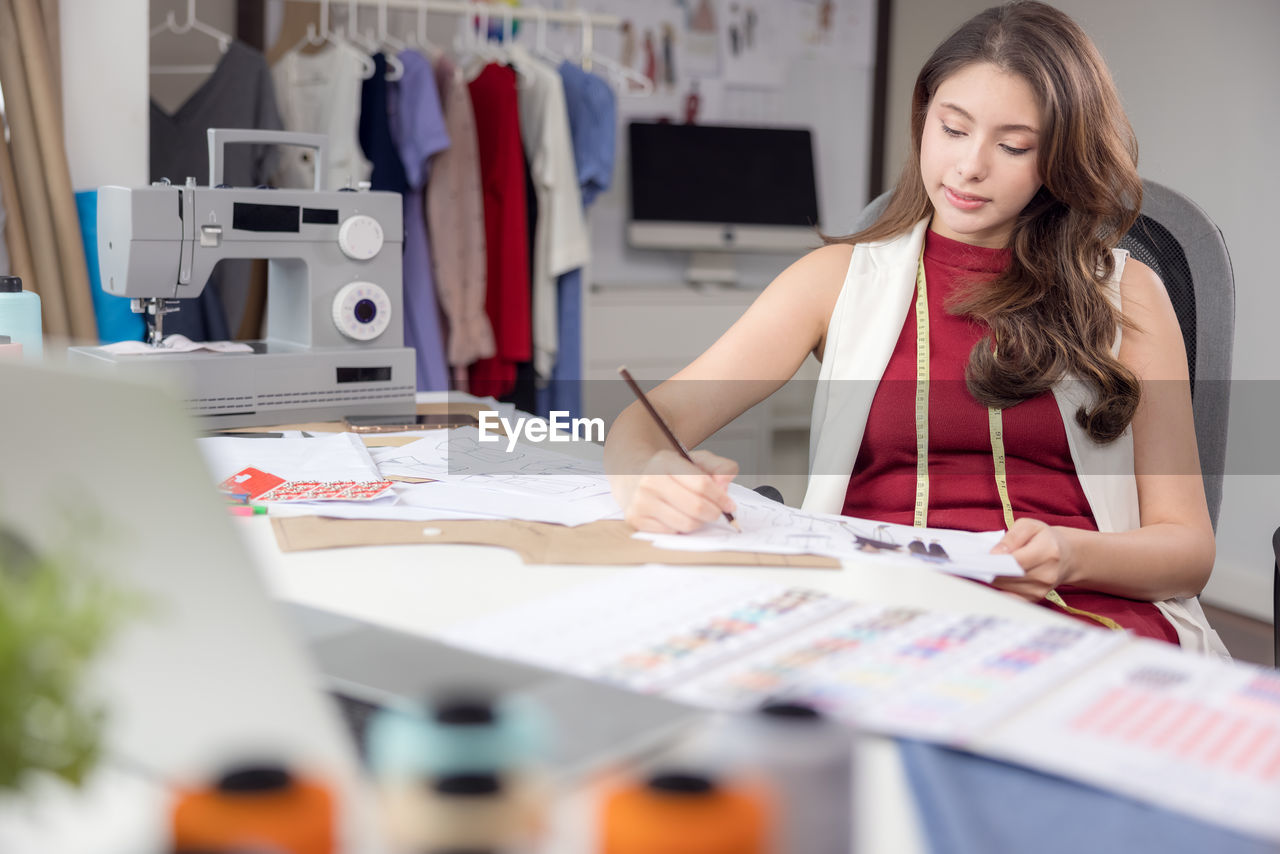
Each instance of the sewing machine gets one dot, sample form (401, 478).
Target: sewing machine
(335, 330)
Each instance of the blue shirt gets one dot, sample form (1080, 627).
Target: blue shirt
(418, 129)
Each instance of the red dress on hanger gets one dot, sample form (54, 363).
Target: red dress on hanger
(507, 298)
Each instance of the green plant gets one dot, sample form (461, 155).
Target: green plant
(55, 614)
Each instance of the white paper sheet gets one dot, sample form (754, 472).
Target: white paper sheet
(325, 457)
(464, 498)
(778, 529)
(530, 482)
(372, 510)
(459, 456)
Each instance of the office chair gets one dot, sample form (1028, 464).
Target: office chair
(1177, 240)
(1275, 601)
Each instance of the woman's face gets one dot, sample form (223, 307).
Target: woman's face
(978, 154)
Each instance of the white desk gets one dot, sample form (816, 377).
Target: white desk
(423, 589)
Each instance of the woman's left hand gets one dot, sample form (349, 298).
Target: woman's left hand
(1040, 549)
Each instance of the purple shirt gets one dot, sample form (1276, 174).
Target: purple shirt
(419, 132)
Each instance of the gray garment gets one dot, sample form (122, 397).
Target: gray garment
(238, 94)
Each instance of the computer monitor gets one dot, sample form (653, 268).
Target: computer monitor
(720, 189)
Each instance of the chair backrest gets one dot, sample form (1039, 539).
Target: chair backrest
(1177, 240)
(1275, 601)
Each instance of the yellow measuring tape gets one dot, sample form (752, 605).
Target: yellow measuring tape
(995, 424)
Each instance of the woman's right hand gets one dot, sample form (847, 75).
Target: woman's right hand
(672, 496)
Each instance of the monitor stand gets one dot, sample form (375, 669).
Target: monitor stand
(711, 269)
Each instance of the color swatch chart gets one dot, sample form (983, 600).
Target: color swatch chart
(649, 629)
(1191, 733)
(937, 676)
(1142, 718)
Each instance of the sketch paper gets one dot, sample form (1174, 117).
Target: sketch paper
(775, 528)
(461, 498)
(458, 456)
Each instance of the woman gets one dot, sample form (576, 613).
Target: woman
(1054, 398)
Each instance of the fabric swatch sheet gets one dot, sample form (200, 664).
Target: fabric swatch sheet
(1123, 713)
(1188, 732)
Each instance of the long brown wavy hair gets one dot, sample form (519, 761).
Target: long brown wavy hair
(1048, 311)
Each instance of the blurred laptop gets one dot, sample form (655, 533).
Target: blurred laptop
(209, 673)
(216, 670)
(593, 725)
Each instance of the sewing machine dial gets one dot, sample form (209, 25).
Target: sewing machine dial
(360, 237)
(361, 310)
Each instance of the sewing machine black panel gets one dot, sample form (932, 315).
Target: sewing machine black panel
(247, 216)
(320, 216)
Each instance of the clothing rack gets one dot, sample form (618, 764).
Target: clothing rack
(502, 12)
(495, 11)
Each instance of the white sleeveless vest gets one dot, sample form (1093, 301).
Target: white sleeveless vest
(865, 325)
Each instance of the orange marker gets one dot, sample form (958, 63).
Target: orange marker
(683, 813)
(256, 808)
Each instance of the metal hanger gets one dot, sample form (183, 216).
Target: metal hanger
(504, 49)
(192, 24)
(385, 39)
(540, 47)
(352, 35)
(635, 82)
(323, 35)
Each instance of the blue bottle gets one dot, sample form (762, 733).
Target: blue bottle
(20, 317)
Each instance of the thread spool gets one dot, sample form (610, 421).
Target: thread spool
(807, 760)
(9, 349)
(676, 811)
(20, 318)
(461, 812)
(456, 734)
(255, 808)
(461, 774)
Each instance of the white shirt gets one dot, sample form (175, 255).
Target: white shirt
(320, 93)
(560, 240)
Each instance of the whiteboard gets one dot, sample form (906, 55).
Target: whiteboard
(795, 73)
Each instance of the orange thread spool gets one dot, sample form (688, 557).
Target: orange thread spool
(256, 808)
(680, 813)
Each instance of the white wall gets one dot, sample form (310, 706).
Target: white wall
(104, 82)
(1198, 81)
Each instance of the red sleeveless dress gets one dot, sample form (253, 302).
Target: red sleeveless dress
(962, 487)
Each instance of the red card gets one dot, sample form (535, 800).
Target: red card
(251, 482)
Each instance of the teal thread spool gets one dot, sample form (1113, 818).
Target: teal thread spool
(20, 317)
(456, 735)
(460, 774)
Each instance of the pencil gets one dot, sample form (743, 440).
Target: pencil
(666, 431)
